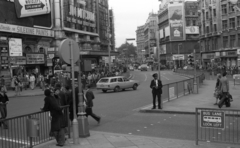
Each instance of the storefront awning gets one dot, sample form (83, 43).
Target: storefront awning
(99, 53)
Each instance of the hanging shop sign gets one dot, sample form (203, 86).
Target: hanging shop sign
(35, 58)
(15, 47)
(18, 60)
(176, 21)
(26, 8)
(25, 30)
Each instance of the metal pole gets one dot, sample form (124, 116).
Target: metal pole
(158, 54)
(82, 119)
(178, 58)
(109, 56)
(195, 80)
(75, 122)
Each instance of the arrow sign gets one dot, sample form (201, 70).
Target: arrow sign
(26, 8)
(34, 6)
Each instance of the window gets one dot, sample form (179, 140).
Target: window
(207, 29)
(215, 27)
(238, 40)
(113, 80)
(224, 9)
(238, 20)
(224, 24)
(230, 7)
(120, 80)
(188, 23)
(214, 12)
(194, 23)
(232, 40)
(206, 15)
(225, 41)
(216, 43)
(232, 22)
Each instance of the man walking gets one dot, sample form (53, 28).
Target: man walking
(156, 86)
(3, 106)
(89, 96)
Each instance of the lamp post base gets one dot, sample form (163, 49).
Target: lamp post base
(195, 88)
(75, 131)
(83, 126)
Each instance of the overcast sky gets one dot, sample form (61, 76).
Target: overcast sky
(129, 14)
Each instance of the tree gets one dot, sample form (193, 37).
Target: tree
(127, 50)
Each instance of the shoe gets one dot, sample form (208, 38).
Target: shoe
(59, 145)
(99, 120)
(215, 104)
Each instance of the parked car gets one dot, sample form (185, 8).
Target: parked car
(116, 83)
(144, 67)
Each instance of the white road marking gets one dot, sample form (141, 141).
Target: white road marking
(145, 127)
(138, 130)
(145, 77)
(165, 77)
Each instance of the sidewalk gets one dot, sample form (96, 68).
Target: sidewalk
(204, 99)
(113, 140)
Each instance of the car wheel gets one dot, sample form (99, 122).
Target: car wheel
(104, 90)
(135, 87)
(116, 89)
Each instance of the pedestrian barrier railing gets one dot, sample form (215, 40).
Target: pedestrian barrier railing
(181, 88)
(218, 125)
(236, 79)
(28, 130)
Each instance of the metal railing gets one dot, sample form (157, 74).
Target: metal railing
(218, 125)
(15, 135)
(181, 88)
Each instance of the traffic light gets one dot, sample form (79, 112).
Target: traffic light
(190, 60)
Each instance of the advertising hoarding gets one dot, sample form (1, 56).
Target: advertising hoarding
(192, 29)
(176, 21)
(26, 8)
(15, 47)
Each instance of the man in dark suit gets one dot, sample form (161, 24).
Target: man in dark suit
(88, 98)
(156, 86)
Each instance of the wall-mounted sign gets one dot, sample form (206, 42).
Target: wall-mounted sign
(25, 30)
(15, 47)
(176, 22)
(18, 60)
(152, 43)
(4, 62)
(26, 8)
(178, 57)
(212, 119)
(35, 58)
(192, 29)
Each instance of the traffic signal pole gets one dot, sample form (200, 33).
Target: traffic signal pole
(195, 85)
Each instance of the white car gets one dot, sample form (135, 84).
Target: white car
(116, 84)
(131, 68)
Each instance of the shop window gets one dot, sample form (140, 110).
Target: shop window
(214, 12)
(41, 50)
(238, 20)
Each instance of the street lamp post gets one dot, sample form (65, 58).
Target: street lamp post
(179, 53)
(109, 52)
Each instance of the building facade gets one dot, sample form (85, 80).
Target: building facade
(140, 43)
(219, 33)
(178, 32)
(150, 34)
(25, 38)
(112, 30)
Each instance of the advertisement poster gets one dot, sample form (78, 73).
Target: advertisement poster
(15, 47)
(176, 22)
(35, 58)
(26, 8)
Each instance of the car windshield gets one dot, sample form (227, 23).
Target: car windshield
(103, 81)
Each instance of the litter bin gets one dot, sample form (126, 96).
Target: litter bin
(33, 127)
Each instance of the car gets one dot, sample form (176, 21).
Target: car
(116, 84)
(144, 67)
(188, 67)
(131, 68)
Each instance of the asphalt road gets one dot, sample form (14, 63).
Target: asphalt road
(119, 110)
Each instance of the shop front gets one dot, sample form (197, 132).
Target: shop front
(207, 59)
(178, 60)
(229, 58)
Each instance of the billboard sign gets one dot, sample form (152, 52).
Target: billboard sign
(15, 47)
(212, 119)
(192, 30)
(35, 58)
(152, 43)
(176, 21)
(26, 8)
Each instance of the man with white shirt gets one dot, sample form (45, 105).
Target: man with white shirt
(156, 86)
(32, 81)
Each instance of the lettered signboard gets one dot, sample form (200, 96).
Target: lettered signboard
(212, 119)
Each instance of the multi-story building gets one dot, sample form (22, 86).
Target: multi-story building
(112, 29)
(178, 31)
(149, 33)
(219, 33)
(140, 42)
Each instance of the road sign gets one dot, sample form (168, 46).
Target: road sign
(212, 119)
(65, 51)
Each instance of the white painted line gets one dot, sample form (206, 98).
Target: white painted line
(165, 77)
(145, 77)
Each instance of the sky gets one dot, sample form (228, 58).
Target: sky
(129, 14)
